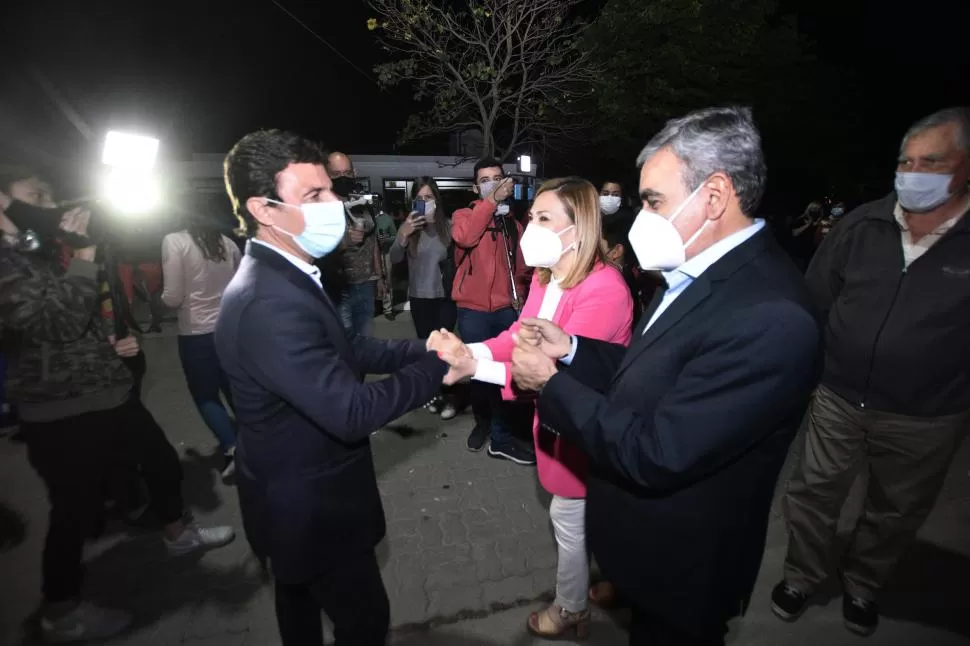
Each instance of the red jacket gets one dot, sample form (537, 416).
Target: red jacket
(482, 278)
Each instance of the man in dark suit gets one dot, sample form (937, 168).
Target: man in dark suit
(688, 429)
(307, 486)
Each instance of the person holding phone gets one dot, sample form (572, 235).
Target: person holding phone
(424, 239)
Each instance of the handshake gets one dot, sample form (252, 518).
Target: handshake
(538, 345)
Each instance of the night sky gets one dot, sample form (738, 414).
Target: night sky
(201, 74)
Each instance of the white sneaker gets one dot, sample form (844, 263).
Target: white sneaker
(85, 622)
(200, 538)
(448, 411)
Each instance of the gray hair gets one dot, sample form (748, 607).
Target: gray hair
(959, 116)
(716, 140)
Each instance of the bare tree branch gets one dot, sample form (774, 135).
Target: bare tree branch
(509, 68)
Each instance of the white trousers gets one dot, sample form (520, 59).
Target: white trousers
(568, 517)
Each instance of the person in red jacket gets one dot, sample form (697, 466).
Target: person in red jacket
(490, 285)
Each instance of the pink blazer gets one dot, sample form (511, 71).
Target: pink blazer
(601, 308)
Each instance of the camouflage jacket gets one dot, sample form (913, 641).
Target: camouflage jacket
(64, 364)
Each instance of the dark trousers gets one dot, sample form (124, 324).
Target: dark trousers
(353, 596)
(907, 460)
(73, 456)
(486, 399)
(206, 381)
(648, 630)
(430, 314)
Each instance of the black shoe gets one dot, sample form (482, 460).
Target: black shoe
(788, 603)
(478, 438)
(860, 616)
(512, 451)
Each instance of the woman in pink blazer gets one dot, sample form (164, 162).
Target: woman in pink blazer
(576, 288)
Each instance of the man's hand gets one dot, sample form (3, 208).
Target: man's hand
(531, 368)
(443, 341)
(503, 191)
(76, 221)
(127, 347)
(461, 367)
(547, 336)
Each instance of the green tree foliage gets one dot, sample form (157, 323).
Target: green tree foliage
(663, 58)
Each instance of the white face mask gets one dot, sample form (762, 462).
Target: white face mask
(324, 224)
(657, 243)
(610, 204)
(542, 247)
(922, 192)
(429, 209)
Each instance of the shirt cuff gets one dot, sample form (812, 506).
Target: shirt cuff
(491, 372)
(568, 359)
(480, 351)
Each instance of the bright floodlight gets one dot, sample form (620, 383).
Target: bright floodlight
(131, 191)
(525, 163)
(123, 150)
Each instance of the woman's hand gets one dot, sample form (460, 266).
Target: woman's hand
(413, 224)
(461, 367)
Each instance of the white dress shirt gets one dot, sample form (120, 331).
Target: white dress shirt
(297, 262)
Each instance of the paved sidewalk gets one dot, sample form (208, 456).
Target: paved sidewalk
(469, 547)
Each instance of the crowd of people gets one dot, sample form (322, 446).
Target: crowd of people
(654, 366)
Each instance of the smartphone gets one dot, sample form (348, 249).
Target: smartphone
(417, 206)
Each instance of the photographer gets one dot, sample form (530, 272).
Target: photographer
(359, 251)
(74, 394)
(490, 285)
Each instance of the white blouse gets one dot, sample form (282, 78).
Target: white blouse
(494, 372)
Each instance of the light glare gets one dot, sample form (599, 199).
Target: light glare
(123, 150)
(131, 191)
(525, 163)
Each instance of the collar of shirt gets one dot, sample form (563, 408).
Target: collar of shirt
(697, 265)
(299, 263)
(939, 231)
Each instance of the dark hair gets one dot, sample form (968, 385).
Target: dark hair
(616, 230)
(11, 174)
(486, 162)
(612, 181)
(252, 166)
(440, 220)
(208, 239)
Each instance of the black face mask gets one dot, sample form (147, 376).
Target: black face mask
(45, 224)
(344, 186)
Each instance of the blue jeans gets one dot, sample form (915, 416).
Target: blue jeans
(206, 380)
(486, 400)
(357, 308)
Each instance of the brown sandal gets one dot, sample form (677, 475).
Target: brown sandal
(553, 622)
(602, 594)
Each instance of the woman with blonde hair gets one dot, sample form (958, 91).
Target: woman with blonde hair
(576, 288)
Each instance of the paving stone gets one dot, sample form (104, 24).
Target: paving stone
(464, 533)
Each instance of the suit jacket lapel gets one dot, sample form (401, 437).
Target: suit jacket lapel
(690, 298)
(649, 311)
(694, 295)
(332, 322)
